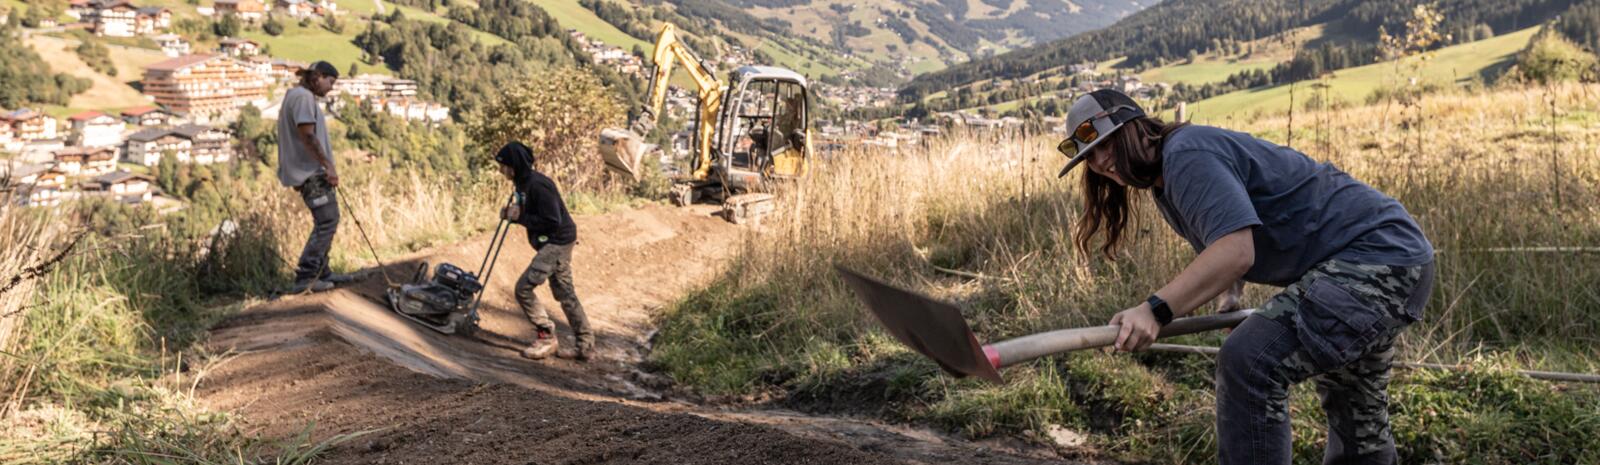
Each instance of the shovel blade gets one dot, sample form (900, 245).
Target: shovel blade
(929, 326)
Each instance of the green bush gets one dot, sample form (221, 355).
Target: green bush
(1550, 58)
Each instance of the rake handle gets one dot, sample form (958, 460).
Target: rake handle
(1013, 351)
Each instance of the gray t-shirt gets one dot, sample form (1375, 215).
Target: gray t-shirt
(1304, 213)
(295, 163)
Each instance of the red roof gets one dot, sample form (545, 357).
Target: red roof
(139, 111)
(181, 62)
(85, 116)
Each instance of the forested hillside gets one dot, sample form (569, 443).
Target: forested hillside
(1177, 29)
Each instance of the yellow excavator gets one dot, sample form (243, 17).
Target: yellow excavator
(747, 134)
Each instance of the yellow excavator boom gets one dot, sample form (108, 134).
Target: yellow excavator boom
(623, 149)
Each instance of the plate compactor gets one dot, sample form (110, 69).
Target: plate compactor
(448, 302)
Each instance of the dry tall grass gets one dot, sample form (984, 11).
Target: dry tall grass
(1487, 171)
(28, 238)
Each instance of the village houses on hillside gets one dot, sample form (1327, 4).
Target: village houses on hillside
(384, 94)
(120, 18)
(614, 57)
(246, 10)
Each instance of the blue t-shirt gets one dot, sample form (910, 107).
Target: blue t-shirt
(1304, 212)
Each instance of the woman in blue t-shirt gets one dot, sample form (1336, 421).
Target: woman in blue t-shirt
(1355, 268)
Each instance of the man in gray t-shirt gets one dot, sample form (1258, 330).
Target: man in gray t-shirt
(305, 162)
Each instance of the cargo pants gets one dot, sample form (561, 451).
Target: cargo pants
(1336, 325)
(553, 263)
(320, 198)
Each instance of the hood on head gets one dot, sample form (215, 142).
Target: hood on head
(517, 156)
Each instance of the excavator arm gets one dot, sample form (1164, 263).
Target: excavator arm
(623, 149)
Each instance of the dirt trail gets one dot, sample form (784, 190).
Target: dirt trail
(348, 364)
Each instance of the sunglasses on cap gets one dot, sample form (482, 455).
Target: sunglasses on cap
(1085, 133)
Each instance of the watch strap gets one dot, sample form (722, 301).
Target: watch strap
(1160, 309)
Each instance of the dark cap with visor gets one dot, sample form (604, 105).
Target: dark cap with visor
(1092, 118)
(321, 67)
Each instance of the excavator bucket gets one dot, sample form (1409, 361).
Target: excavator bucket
(623, 151)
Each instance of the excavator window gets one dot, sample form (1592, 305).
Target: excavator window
(771, 120)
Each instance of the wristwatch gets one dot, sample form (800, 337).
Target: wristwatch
(1160, 309)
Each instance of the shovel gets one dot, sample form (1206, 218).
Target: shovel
(936, 329)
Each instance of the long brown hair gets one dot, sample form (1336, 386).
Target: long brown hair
(1136, 154)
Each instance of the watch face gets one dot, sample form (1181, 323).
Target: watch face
(1160, 309)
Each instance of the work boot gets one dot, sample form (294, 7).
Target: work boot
(580, 353)
(315, 285)
(544, 344)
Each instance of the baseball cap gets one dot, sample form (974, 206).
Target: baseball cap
(322, 67)
(1104, 110)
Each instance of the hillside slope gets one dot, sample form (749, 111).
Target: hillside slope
(1173, 30)
(925, 35)
(1450, 65)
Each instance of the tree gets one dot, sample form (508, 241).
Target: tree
(557, 114)
(32, 16)
(332, 24)
(273, 26)
(167, 173)
(228, 26)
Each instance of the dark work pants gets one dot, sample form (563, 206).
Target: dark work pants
(319, 198)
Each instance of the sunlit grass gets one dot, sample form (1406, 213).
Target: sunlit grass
(991, 204)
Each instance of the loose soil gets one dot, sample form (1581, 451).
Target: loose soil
(345, 364)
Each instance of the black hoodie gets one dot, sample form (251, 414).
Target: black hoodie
(543, 213)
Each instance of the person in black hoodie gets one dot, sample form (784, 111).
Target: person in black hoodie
(539, 208)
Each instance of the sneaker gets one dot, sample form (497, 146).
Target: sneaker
(544, 344)
(315, 285)
(339, 278)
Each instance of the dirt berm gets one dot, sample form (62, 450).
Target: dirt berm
(346, 364)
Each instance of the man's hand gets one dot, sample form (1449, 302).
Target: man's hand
(333, 178)
(1139, 328)
(511, 212)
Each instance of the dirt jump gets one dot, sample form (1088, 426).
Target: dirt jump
(345, 363)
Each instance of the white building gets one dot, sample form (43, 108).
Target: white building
(236, 47)
(86, 161)
(124, 186)
(96, 129)
(29, 125)
(172, 44)
(8, 140)
(207, 144)
(147, 146)
(115, 18)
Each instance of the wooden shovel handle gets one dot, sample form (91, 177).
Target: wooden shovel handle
(1013, 351)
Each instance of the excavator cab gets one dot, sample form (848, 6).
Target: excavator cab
(762, 133)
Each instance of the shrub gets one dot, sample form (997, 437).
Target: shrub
(1550, 57)
(559, 114)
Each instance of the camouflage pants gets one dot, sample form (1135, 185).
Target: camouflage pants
(1336, 325)
(553, 263)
